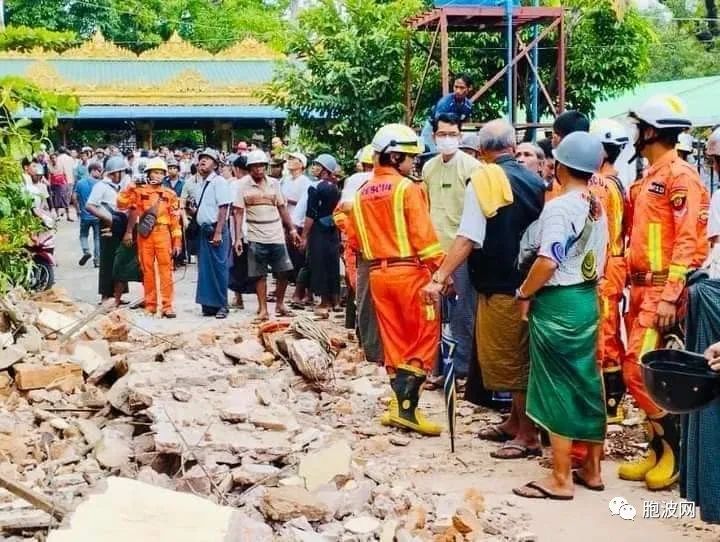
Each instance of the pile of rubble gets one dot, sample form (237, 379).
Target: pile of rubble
(239, 433)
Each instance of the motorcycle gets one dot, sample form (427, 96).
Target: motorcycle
(42, 253)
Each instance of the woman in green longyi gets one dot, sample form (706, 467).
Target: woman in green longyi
(567, 249)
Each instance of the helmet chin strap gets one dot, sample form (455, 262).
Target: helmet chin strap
(640, 145)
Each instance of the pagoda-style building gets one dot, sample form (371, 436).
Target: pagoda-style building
(173, 86)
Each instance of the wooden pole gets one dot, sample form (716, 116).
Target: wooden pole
(36, 499)
(542, 86)
(408, 83)
(424, 75)
(444, 60)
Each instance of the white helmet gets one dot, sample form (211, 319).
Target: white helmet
(684, 142)
(610, 131)
(396, 138)
(663, 111)
(713, 143)
(256, 157)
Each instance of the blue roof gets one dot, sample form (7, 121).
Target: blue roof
(138, 112)
(104, 72)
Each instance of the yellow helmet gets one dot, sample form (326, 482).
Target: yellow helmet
(396, 138)
(366, 155)
(156, 163)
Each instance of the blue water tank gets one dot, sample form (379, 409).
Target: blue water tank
(471, 3)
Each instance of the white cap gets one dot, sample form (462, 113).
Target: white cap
(256, 157)
(300, 156)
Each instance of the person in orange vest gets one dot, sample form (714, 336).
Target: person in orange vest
(159, 233)
(609, 190)
(390, 224)
(667, 240)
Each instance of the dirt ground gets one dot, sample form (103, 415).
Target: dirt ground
(426, 463)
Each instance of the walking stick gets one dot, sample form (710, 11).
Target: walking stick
(447, 349)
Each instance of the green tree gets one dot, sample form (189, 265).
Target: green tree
(348, 80)
(18, 140)
(349, 75)
(23, 38)
(143, 24)
(679, 54)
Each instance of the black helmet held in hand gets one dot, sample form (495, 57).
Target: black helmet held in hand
(679, 381)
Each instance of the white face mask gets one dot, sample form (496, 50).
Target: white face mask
(448, 144)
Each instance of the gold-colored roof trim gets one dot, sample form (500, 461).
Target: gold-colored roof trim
(174, 49)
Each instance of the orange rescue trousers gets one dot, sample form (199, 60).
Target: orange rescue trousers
(611, 350)
(410, 329)
(157, 247)
(642, 337)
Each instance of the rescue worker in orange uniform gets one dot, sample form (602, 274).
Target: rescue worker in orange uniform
(609, 190)
(667, 240)
(390, 224)
(164, 238)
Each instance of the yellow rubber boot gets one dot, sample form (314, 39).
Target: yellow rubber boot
(635, 471)
(667, 470)
(392, 407)
(408, 385)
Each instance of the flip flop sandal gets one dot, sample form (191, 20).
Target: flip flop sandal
(522, 452)
(285, 312)
(541, 493)
(495, 434)
(260, 320)
(297, 305)
(579, 480)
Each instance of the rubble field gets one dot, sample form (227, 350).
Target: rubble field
(230, 433)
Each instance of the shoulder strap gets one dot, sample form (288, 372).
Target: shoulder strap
(206, 183)
(618, 183)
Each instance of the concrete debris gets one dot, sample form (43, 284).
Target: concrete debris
(31, 376)
(324, 465)
(12, 354)
(91, 355)
(286, 503)
(282, 430)
(112, 516)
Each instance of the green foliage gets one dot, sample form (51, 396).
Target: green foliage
(23, 38)
(143, 24)
(606, 56)
(349, 80)
(18, 140)
(679, 54)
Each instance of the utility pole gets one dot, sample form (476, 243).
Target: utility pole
(2, 15)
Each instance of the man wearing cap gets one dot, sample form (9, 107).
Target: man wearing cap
(500, 201)
(260, 204)
(446, 176)
(294, 186)
(102, 203)
(276, 168)
(565, 252)
(470, 144)
(667, 240)
(321, 237)
(159, 237)
(213, 206)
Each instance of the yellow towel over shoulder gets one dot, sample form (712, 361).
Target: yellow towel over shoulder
(492, 188)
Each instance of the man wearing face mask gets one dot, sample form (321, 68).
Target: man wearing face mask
(390, 225)
(446, 176)
(667, 240)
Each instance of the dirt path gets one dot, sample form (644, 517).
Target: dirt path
(426, 464)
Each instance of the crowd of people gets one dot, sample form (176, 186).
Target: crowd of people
(532, 247)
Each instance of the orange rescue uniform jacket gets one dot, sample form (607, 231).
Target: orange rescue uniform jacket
(670, 211)
(607, 188)
(143, 197)
(390, 220)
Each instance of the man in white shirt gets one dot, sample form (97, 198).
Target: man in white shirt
(213, 206)
(446, 176)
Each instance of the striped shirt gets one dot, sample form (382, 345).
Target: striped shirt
(261, 203)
